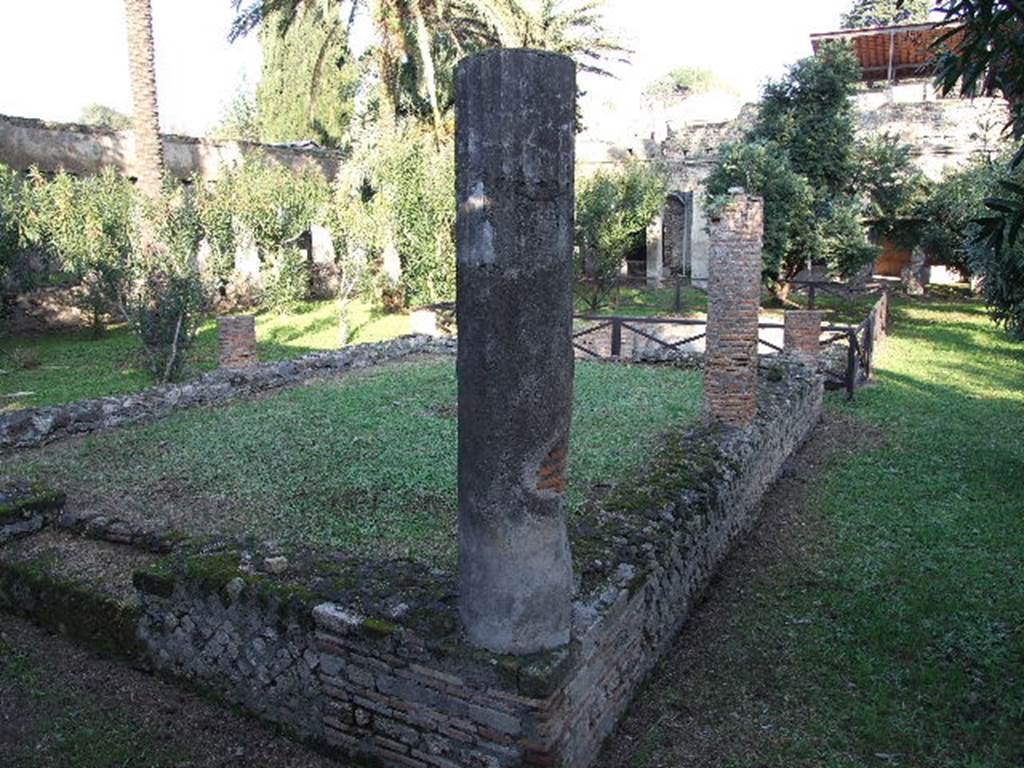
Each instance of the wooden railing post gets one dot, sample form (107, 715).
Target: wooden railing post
(616, 337)
(851, 364)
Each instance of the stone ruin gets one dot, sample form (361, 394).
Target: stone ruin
(529, 655)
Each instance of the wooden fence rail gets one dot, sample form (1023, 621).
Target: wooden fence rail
(860, 340)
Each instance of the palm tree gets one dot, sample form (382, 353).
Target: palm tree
(149, 151)
(572, 28)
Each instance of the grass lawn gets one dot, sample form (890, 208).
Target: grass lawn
(897, 637)
(364, 463)
(640, 301)
(60, 368)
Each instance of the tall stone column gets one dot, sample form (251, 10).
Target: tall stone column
(655, 252)
(514, 146)
(734, 296)
(802, 333)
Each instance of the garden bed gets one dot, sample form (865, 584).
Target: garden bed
(363, 463)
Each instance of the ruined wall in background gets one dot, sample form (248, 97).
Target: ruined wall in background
(85, 149)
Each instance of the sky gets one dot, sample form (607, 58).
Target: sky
(58, 56)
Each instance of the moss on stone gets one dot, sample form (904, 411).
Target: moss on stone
(28, 500)
(32, 588)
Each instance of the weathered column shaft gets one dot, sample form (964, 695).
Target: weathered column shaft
(236, 341)
(655, 252)
(514, 117)
(802, 333)
(734, 295)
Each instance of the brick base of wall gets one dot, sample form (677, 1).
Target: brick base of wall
(236, 341)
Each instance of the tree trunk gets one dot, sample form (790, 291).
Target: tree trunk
(427, 62)
(149, 154)
(386, 20)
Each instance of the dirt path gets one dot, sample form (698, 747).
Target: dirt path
(712, 702)
(61, 706)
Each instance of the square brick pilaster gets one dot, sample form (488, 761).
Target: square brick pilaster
(802, 333)
(734, 296)
(236, 341)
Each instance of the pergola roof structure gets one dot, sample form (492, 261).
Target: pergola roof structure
(898, 52)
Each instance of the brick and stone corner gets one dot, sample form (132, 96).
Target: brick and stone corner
(236, 341)
(514, 149)
(802, 334)
(734, 294)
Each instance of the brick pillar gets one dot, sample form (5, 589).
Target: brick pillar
(514, 147)
(802, 333)
(734, 295)
(236, 341)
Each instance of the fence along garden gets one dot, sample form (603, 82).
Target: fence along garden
(858, 341)
(525, 655)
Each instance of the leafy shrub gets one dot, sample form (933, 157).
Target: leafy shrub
(276, 206)
(285, 278)
(817, 183)
(164, 296)
(88, 223)
(10, 215)
(613, 209)
(401, 200)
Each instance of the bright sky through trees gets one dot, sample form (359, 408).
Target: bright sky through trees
(84, 59)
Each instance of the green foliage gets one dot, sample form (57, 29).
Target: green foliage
(613, 209)
(273, 203)
(88, 223)
(891, 187)
(105, 117)
(164, 297)
(954, 234)
(809, 113)
(801, 157)
(130, 255)
(10, 220)
(950, 209)
(407, 194)
(309, 80)
(790, 228)
(880, 13)
(285, 278)
(983, 54)
(687, 81)
(1002, 274)
(276, 206)
(240, 120)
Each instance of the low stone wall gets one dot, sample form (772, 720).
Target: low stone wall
(26, 508)
(35, 426)
(254, 651)
(368, 656)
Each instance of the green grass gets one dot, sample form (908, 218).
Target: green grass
(70, 728)
(640, 301)
(63, 367)
(365, 463)
(899, 638)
